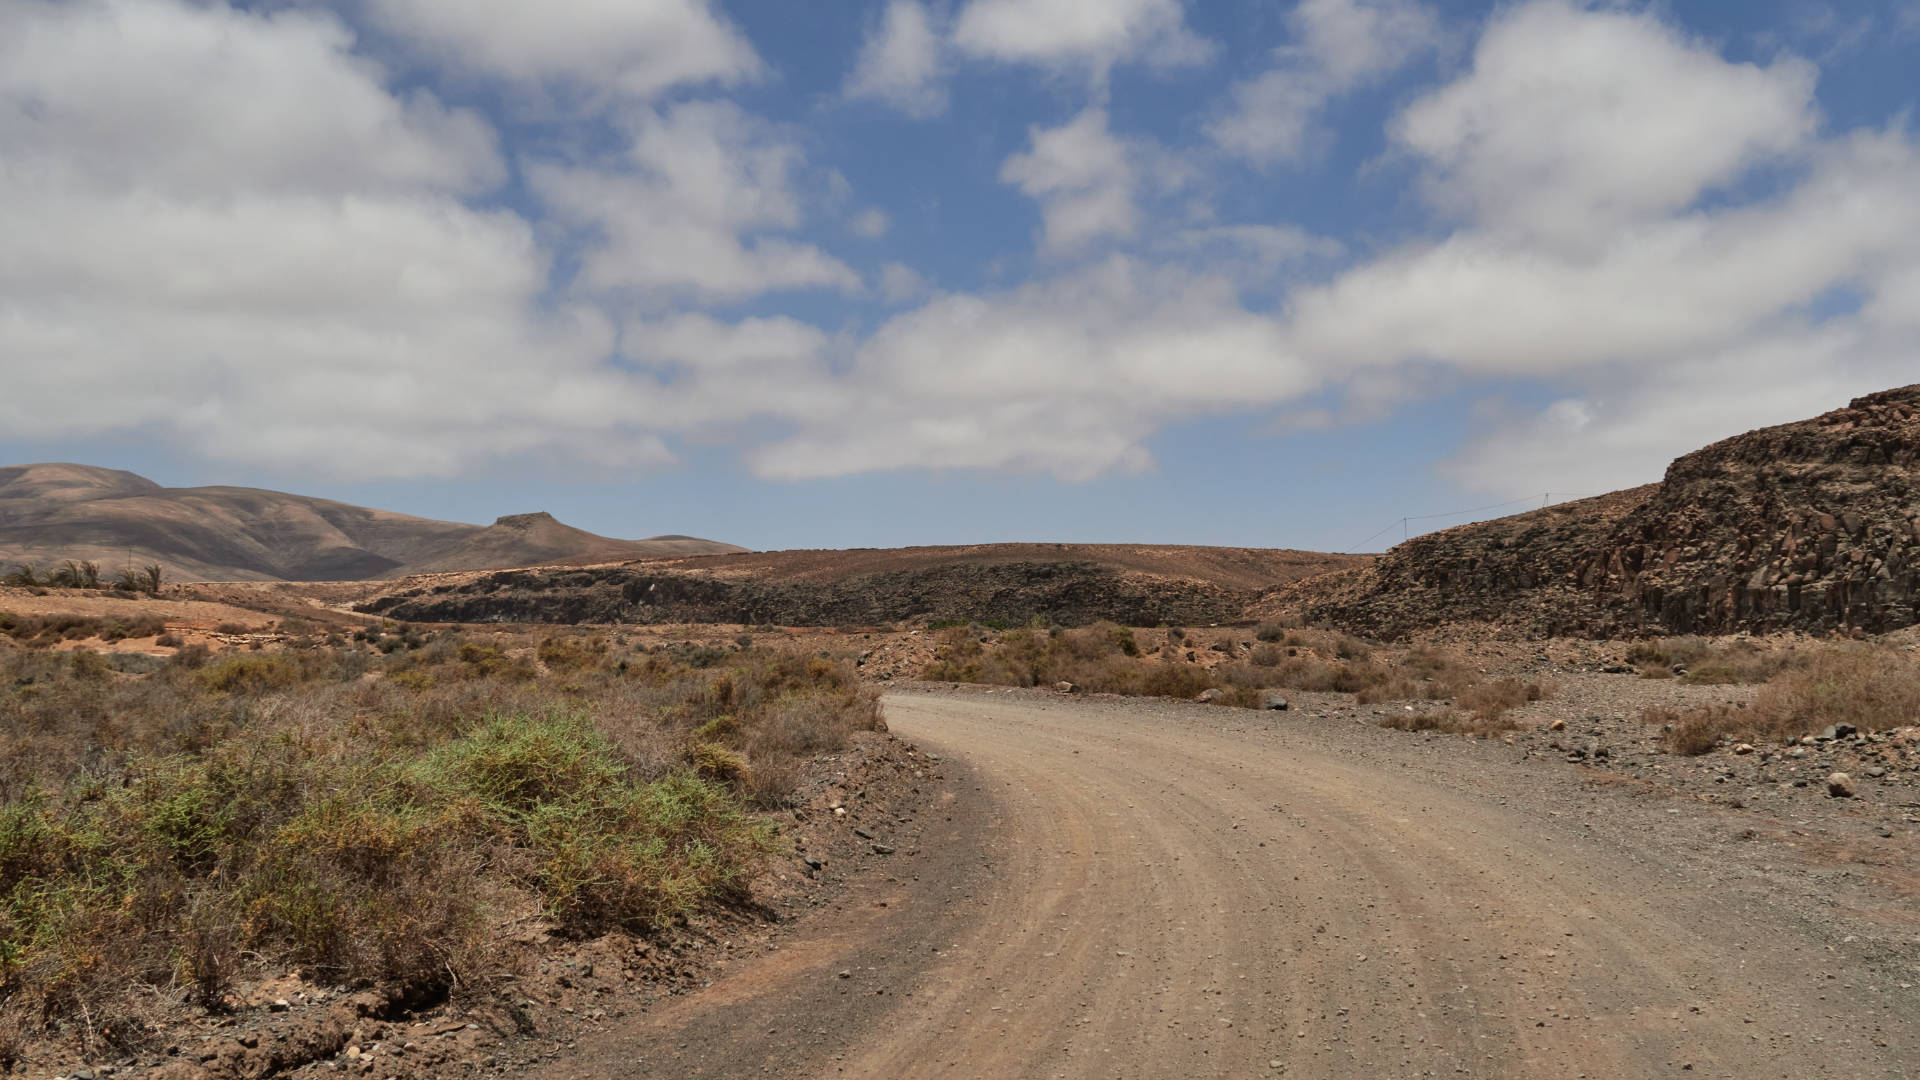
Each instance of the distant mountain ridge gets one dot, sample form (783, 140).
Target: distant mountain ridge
(57, 511)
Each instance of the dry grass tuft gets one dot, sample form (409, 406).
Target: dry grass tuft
(1478, 709)
(1870, 687)
(1712, 663)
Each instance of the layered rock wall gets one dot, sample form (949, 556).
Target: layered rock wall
(1813, 526)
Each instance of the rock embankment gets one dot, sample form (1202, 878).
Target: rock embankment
(1005, 593)
(1812, 526)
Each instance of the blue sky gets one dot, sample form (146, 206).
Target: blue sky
(866, 274)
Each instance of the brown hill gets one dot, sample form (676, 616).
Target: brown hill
(990, 583)
(1811, 526)
(53, 512)
(1226, 567)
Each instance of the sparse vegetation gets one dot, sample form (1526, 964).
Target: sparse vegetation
(1869, 687)
(43, 631)
(1699, 660)
(1105, 658)
(374, 816)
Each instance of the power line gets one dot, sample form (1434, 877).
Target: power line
(1545, 498)
(1475, 510)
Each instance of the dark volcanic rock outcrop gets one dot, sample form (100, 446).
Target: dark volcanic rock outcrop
(1073, 593)
(1812, 526)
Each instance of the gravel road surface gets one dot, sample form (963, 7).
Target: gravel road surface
(1138, 889)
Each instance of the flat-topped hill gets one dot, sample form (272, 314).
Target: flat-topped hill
(998, 583)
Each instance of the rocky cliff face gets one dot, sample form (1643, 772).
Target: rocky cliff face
(1812, 526)
(1007, 593)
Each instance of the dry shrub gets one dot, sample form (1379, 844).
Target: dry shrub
(1692, 732)
(1099, 659)
(1491, 701)
(1667, 652)
(1712, 663)
(1870, 687)
(43, 631)
(716, 762)
(1450, 722)
(1348, 647)
(210, 820)
(1394, 689)
(569, 654)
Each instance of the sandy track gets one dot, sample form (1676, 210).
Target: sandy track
(1130, 890)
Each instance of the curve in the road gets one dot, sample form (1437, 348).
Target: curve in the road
(1145, 891)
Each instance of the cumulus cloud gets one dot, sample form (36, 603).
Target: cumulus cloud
(900, 63)
(1079, 33)
(1623, 429)
(1575, 123)
(671, 218)
(871, 223)
(161, 94)
(1338, 45)
(227, 230)
(1256, 252)
(900, 283)
(1067, 376)
(1596, 162)
(1084, 179)
(222, 232)
(634, 49)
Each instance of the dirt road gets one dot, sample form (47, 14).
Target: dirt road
(1125, 889)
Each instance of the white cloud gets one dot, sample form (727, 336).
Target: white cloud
(1270, 245)
(1259, 257)
(157, 93)
(900, 62)
(223, 233)
(1356, 40)
(900, 283)
(1067, 376)
(636, 49)
(1574, 124)
(1339, 45)
(1582, 150)
(224, 230)
(1623, 431)
(712, 377)
(1094, 34)
(1084, 179)
(672, 219)
(871, 223)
